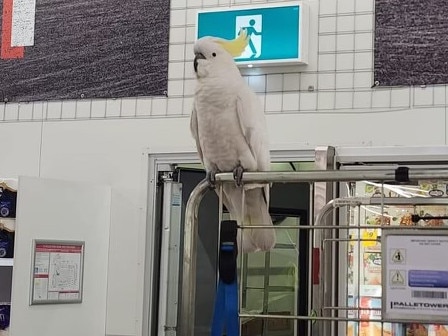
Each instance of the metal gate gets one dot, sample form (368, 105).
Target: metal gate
(338, 233)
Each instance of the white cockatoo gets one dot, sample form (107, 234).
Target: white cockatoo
(229, 127)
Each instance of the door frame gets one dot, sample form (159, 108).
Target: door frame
(153, 162)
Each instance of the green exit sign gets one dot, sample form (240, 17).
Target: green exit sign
(278, 33)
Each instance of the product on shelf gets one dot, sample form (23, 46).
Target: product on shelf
(372, 268)
(351, 325)
(5, 309)
(440, 330)
(430, 211)
(6, 244)
(370, 310)
(416, 329)
(434, 188)
(419, 329)
(406, 220)
(380, 219)
(8, 201)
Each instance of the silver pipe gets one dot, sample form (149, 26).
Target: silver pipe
(408, 201)
(310, 257)
(332, 240)
(323, 272)
(327, 208)
(339, 319)
(352, 308)
(323, 227)
(186, 321)
(333, 176)
(356, 201)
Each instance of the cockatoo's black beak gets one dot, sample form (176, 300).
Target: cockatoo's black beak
(198, 56)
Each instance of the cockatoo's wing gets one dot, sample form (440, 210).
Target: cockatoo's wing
(195, 132)
(253, 126)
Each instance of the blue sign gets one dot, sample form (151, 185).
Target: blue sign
(434, 279)
(277, 33)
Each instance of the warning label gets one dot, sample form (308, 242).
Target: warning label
(415, 273)
(397, 278)
(398, 256)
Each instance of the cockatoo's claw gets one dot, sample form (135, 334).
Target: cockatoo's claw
(238, 174)
(210, 177)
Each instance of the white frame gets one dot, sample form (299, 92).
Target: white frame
(169, 234)
(390, 154)
(157, 160)
(303, 36)
(81, 271)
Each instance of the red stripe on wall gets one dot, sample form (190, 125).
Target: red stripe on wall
(6, 50)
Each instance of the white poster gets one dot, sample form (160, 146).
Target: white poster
(57, 272)
(415, 275)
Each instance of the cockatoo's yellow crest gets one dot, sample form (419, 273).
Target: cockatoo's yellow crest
(237, 46)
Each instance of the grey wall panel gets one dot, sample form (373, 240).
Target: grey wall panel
(411, 42)
(91, 49)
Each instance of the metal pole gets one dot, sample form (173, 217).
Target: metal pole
(356, 201)
(334, 176)
(186, 321)
(437, 320)
(323, 192)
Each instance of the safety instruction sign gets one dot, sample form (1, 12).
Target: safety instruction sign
(57, 272)
(415, 275)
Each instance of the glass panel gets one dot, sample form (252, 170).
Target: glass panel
(270, 284)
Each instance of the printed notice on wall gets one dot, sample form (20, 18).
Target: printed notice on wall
(415, 275)
(57, 272)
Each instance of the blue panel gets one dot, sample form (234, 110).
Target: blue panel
(435, 279)
(274, 31)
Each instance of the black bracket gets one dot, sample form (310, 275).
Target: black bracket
(402, 174)
(228, 251)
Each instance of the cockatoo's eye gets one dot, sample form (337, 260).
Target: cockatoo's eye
(214, 54)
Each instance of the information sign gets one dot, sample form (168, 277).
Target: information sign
(415, 275)
(57, 272)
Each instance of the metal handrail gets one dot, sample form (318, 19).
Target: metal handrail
(186, 321)
(337, 319)
(187, 313)
(334, 175)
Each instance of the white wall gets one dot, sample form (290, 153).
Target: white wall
(61, 210)
(103, 140)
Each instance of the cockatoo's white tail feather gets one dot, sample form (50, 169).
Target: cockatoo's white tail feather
(255, 213)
